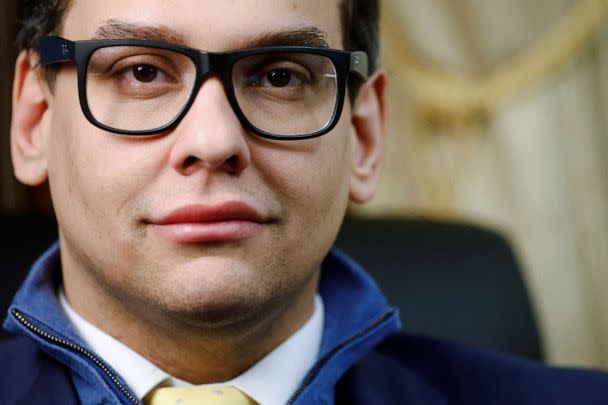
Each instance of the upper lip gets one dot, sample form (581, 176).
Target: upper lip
(200, 213)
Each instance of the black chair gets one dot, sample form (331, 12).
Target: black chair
(25, 238)
(449, 280)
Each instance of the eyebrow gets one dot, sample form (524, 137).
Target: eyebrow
(304, 36)
(116, 29)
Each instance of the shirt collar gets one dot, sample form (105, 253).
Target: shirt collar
(271, 381)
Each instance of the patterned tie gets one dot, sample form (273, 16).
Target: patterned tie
(214, 395)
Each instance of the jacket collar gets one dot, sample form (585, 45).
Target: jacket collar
(357, 318)
(36, 313)
(38, 298)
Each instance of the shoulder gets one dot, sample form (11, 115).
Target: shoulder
(465, 375)
(21, 356)
(29, 375)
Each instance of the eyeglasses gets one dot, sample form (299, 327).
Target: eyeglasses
(134, 87)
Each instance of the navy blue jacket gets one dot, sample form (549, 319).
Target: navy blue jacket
(364, 359)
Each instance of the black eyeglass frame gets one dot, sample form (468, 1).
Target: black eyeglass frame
(54, 49)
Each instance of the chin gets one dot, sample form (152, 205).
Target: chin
(220, 312)
(218, 295)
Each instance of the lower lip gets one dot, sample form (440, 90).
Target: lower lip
(224, 231)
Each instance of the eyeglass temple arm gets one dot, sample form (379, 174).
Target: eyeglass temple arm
(359, 64)
(55, 50)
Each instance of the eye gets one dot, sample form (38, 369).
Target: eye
(279, 77)
(140, 74)
(144, 73)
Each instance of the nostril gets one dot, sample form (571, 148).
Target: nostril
(190, 160)
(229, 165)
(233, 163)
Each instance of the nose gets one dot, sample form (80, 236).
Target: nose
(210, 137)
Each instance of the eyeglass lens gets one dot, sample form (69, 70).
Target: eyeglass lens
(134, 88)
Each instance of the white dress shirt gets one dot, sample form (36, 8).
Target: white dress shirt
(271, 381)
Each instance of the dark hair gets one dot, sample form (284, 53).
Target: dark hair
(40, 18)
(360, 28)
(359, 25)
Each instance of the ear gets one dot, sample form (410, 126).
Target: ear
(369, 130)
(28, 129)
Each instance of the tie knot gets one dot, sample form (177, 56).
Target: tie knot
(211, 395)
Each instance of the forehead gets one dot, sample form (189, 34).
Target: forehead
(211, 25)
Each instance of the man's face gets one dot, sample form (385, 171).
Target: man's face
(112, 194)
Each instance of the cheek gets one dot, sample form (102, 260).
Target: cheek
(93, 175)
(312, 180)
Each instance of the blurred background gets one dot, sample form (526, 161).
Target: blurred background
(498, 118)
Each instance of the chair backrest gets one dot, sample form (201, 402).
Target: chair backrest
(449, 280)
(25, 238)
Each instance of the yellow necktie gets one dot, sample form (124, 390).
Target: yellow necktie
(214, 395)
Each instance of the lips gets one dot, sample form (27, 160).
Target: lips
(229, 221)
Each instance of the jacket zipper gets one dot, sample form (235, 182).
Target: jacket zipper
(78, 349)
(317, 367)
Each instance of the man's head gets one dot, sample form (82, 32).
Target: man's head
(206, 222)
